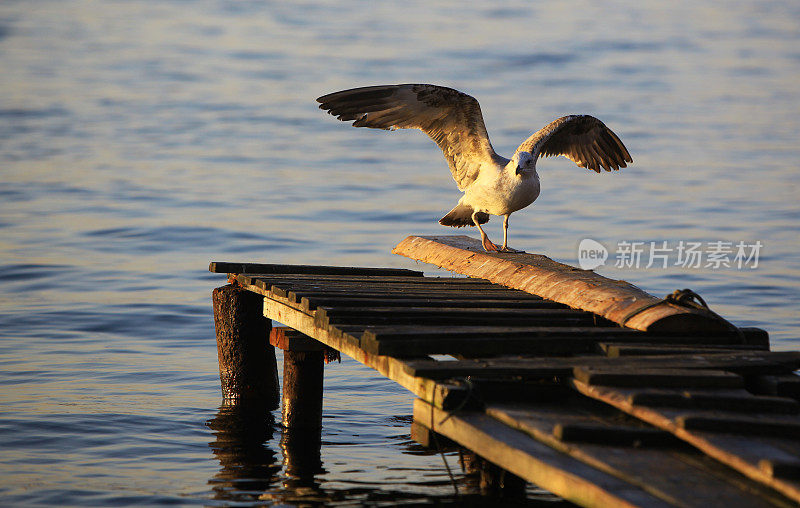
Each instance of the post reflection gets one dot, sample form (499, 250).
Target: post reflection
(251, 471)
(302, 459)
(248, 467)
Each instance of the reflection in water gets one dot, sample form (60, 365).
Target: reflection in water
(302, 458)
(250, 470)
(248, 467)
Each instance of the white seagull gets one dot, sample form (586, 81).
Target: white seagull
(492, 184)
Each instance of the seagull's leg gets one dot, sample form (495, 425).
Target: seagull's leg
(505, 247)
(505, 232)
(487, 244)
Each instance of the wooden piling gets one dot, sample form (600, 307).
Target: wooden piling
(302, 389)
(248, 371)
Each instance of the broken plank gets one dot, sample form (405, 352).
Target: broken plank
(535, 462)
(742, 453)
(652, 459)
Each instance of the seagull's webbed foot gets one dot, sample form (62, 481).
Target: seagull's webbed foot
(488, 245)
(505, 248)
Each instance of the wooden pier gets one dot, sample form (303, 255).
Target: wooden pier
(540, 380)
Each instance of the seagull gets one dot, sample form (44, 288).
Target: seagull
(492, 184)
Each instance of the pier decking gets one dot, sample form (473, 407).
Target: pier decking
(677, 408)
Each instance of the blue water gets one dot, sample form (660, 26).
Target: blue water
(141, 140)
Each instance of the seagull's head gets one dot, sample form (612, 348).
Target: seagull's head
(522, 162)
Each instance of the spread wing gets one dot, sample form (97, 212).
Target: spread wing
(451, 118)
(583, 139)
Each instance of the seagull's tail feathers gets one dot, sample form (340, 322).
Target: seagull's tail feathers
(461, 216)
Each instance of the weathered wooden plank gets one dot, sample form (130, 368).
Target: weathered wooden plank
(277, 278)
(787, 470)
(540, 275)
(747, 362)
(509, 295)
(388, 287)
(287, 339)
(473, 345)
(372, 316)
(650, 377)
(613, 350)
(345, 301)
(656, 462)
(741, 424)
(724, 400)
(534, 462)
(742, 453)
(787, 385)
(487, 314)
(619, 435)
(256, 268)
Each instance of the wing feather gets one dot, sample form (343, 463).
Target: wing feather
(583, 139)
(451, 118)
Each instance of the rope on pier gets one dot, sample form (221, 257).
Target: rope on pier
(686, 298)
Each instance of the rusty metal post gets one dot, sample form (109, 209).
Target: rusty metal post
(248, 371)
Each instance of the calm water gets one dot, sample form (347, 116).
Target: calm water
(140, 140)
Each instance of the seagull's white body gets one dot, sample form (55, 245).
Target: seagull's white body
(499, 190)
(492, 184)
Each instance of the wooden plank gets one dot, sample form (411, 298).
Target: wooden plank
(787, 385)
(741, 424)
(787, 470)
(393, 288)
(347, 301)
(514, 451)
(650, 377)
(254, 268)
(287, 339)
(510, 341)
(509, 295)
(657, 463)
(725, 400)
(277, 278)
(742, 453)
(388, 287)
(613, 350)
(372, 316)
(540, 275)
(618, 435)
(740, 362)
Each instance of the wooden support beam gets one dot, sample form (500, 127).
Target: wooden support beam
(615, 300)
(248, 371)
(287, 339)
(303, 373)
